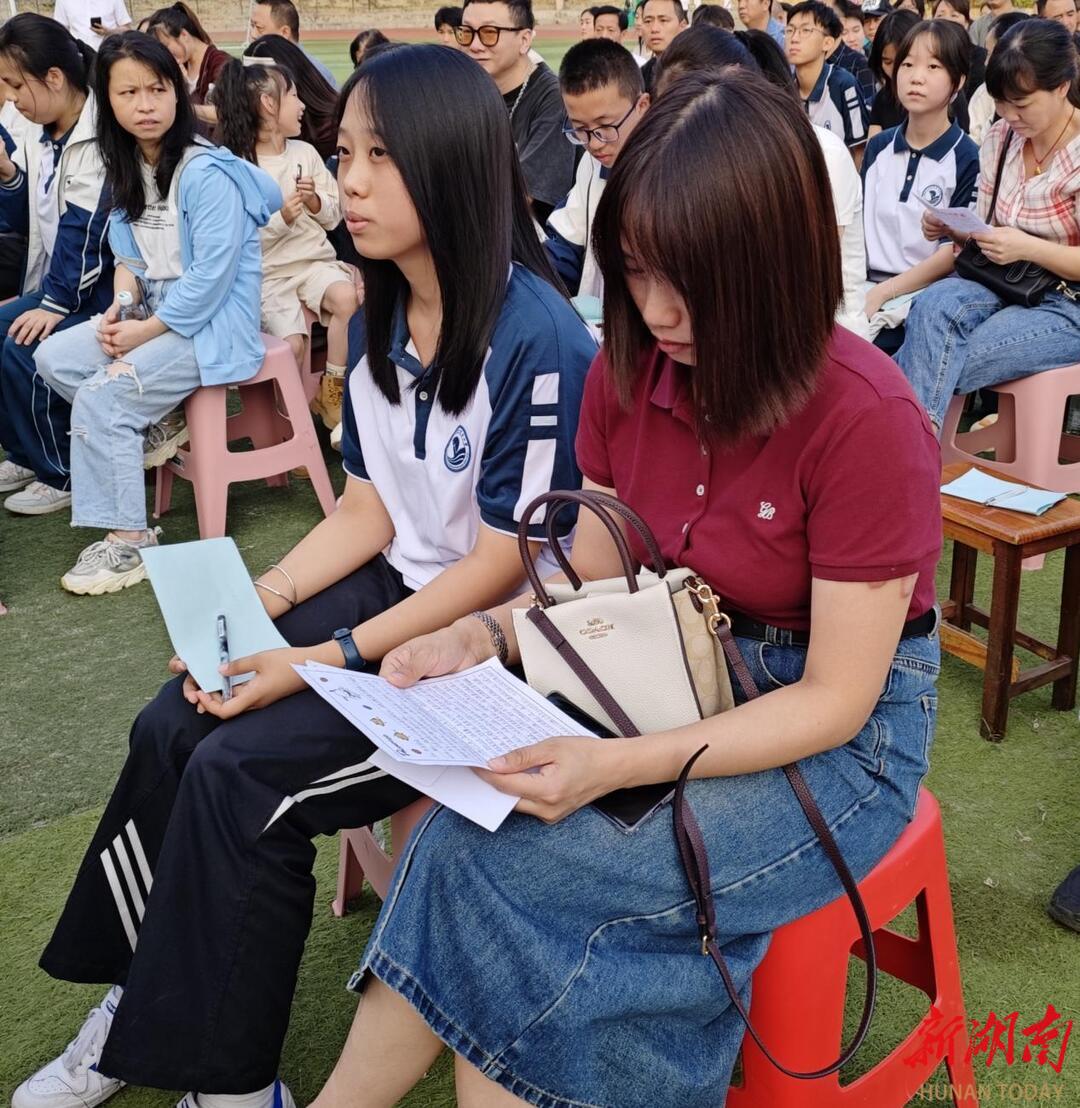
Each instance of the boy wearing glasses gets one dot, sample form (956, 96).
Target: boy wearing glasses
(605, 99)
(498, 35)
(829, 93)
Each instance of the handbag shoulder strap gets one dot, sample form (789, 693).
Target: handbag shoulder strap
(997, 177)
(691, 843)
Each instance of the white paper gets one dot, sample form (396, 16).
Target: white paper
(462, 719)
(961, 221)
(457, 787)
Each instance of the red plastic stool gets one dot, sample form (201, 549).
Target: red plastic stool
(282, 437)
(798, 990)
(362, 857)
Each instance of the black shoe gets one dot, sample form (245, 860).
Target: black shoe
(1065, 903)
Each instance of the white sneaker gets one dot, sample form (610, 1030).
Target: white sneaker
(281, 1098)
(13, 477)
(72, 1080)
(38, 499)
(108, 566)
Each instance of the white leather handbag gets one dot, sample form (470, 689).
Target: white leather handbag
(647, 637)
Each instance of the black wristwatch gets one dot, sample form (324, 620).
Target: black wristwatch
(353, 658)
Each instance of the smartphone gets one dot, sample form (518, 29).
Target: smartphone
(578, 716)
(626, 807)
(95, 22)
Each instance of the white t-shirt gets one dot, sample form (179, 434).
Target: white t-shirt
(157, 230)
(847, 201)
(48, 211)
(75, 15)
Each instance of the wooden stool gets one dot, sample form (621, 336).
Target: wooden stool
(1010, 537)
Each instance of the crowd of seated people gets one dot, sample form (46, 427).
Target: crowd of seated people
(736, 215)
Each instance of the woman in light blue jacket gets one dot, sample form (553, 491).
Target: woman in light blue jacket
(184, 233)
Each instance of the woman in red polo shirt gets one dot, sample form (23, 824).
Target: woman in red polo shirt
(788, 463)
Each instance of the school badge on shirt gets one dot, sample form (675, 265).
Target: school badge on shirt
(458, 452)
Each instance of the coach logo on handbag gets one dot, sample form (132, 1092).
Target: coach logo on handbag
(596, 628)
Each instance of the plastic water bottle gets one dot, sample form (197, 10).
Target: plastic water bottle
(128, 308)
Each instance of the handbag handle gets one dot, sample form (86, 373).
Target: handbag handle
(597, 504)
(613, 504)
(997, 178)
(691, 843)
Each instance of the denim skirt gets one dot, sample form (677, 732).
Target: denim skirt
(563, 961)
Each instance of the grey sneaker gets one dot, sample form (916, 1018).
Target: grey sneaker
(164, 438)
(38, 500)
(109, 566)
(13, 477)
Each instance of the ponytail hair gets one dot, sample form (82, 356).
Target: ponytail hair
(36, 44)
(176, 18)
(238, 96)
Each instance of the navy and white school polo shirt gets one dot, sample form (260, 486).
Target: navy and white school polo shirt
(438, 475)
(944, 174)
(837, 105)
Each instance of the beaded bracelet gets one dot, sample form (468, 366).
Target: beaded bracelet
(498, 635)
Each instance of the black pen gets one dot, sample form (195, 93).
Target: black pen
(223, 655)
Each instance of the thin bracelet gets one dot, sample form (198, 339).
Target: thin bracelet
(285, 573)
(270, 588)
(498, 635)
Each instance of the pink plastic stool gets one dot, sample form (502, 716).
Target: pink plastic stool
(361, 856)
(1026, 438)
(797, 998)
(283, 438)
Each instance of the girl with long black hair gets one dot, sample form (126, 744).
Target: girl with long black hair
(58, 205)
(461, 407)
(184, 233)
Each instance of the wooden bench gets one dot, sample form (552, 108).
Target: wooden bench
(1010, 537)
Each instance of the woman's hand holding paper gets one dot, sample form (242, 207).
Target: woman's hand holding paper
(556, 777)
(461, 645)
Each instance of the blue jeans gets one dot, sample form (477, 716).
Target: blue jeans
(961, 337)
(34, 420)
(110, 412)
(564, 962)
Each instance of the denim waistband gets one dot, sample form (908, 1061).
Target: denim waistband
(746, 627)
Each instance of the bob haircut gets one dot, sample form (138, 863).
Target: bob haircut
(890, 32)
(36, 44)
(318, 126)
(119, 151)
(446, 129)
(1035, 55)
(758, 359)
(175, 19)
(949, 43)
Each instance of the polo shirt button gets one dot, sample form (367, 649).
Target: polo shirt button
(700, 490)
(423, 396)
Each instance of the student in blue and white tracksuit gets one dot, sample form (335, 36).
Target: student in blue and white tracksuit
(461, 407)
(54, 195)
(926, 162)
